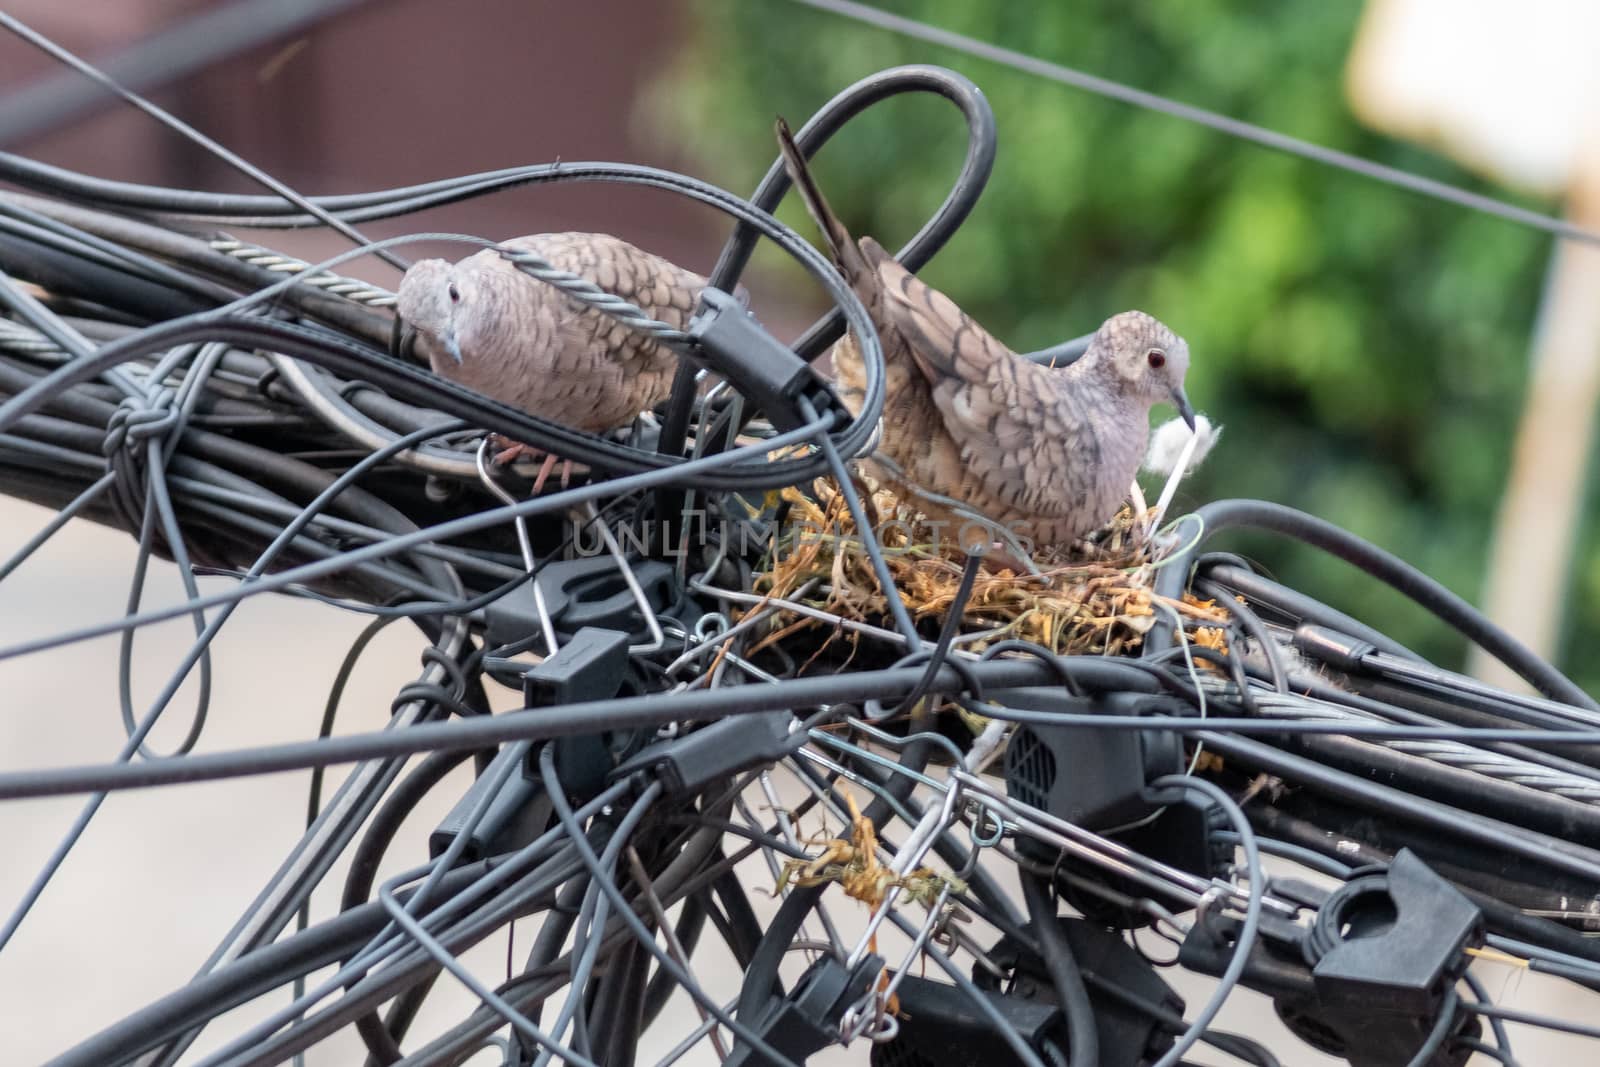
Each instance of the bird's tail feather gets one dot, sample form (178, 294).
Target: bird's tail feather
(842, 247)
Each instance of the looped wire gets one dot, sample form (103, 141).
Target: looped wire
(136, 420)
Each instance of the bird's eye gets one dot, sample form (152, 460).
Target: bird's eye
(1156, 358)
(455, 294)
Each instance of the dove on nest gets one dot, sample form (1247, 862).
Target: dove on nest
(1046, 454)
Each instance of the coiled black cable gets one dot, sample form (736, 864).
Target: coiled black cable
(1223, 515)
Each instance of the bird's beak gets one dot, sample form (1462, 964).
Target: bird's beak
(452, 347)
(1180, 400)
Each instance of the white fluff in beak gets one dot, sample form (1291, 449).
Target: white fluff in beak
(1170, 441)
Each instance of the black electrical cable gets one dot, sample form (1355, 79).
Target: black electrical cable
(563, 720)
(690, 924)
(1055, 950)
(112, 288)
(24, 220)
(181, 47)
(626, 1021)
(209, 265)
(1396, 804)
(940, 653)
(1232, 573)
(1442, 1025)
(832, 117)
(460, 1042)
(382, 1044)
(267, 968)
(325, 729)
(194, 136)
(1535, 809)
(827, 121)
(553, 930)
(399, 543)
(1441, 712)
(1485, 1049)
(1252, 625)
(1497, 1025)
(1465, 709)
(1245, 131)
(1528, 1018)
(1223, 515)
(1201, 654)
(743, 924)
(514, 887)
(621, 907)
(1305, 857)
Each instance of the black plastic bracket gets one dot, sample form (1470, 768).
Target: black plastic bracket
(942, 1027)
(1128, 1036)
(1093, 778)
(590, 666)
(1385, 950)
(764, 370)
(807, 1020)
(518, 813)
(720, 750)
(588, 591)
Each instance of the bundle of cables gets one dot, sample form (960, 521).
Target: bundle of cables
(1128, 734)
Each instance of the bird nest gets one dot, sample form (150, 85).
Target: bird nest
(1093, 597)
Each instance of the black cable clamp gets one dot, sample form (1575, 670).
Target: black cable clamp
(589, 591)
(1098, 779)
(1128, 1035)
(951, 1032)
(1092, 778)
(771, 376)
(1385, 951)
(516, 816)
(807, 1020)
(726, 747)
(590, 666)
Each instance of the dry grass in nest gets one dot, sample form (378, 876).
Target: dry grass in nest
(1092, 598)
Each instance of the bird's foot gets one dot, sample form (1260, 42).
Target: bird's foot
(549, 464)
(510, 451)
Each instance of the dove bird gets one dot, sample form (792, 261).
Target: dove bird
(485, 324)
(1046, 454)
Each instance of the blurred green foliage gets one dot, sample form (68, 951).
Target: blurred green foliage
(1365, 347)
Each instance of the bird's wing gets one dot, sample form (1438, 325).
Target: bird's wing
(1019, 430)
(658, 287)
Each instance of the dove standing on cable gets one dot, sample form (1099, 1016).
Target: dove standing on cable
(487, 325)
(1047, 454)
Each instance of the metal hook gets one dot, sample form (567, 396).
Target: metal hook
(524, 542)
(646, 612)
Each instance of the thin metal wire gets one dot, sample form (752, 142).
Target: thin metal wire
(189, 133)
(647, 889)
(1244, 131)
(580, 288)
(280, 263)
